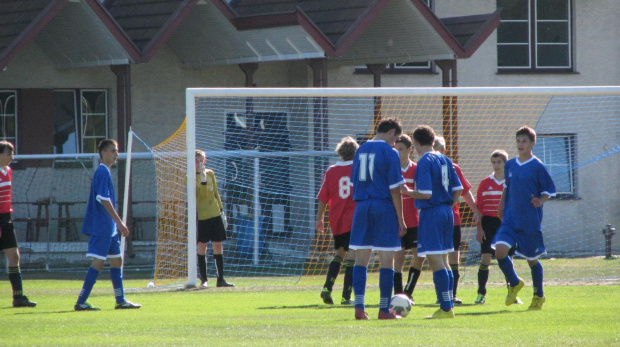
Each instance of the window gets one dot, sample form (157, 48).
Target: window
(557, 152)
(8, 119)
(94, 119)
(534, 35)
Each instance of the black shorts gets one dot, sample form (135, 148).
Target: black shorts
(410, 240)
(342, 240)
(211, 229)
(490, 225)
(456, 238)
(7, 230)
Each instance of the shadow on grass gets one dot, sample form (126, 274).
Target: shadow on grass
(314, 306)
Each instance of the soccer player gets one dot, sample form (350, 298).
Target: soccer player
(454, 257)
(336, 192)
(8, 240)
(528, 187)
(437, 190)
(378, 219)
(404, 146)
(488, 195)
(210, 223)
(102, 223)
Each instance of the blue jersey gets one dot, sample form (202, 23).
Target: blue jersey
(97, 220)
(522, 181)
(376, 170)
(436, 175)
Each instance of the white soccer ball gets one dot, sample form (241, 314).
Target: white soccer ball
(150, 285)
(401, 304)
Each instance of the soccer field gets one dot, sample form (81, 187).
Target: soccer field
(295, 316)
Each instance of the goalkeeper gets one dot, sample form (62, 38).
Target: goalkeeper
(210, 224)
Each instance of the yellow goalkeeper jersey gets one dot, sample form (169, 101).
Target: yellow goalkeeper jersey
(208, 202)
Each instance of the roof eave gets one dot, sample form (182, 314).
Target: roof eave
(31, 31)
(485, 30)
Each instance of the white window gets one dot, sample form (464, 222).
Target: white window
(8, 116)
(94, 118)
(535, 35)
(557, 152)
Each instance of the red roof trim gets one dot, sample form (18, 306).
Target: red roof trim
(167, 29)
(28, 34)
(106, 18)
(443, 32)
(358, 27)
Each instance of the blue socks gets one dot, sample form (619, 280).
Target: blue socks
(451, 287)
(386, 283)
(537, 279)
(360, 273)
(442, 287)
(116, 275)
(89, 282)
(508, 269)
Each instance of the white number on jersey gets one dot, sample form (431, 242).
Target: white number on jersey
(367, 165)
(445, 180)
(344, 187)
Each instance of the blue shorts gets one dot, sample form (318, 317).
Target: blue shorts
(436, 230)
(375, 226)
(102, 247)
(529, 244)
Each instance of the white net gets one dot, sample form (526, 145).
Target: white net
(270, 147)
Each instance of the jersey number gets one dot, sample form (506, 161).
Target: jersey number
(367, 165)
(344, 187)
(445, 179)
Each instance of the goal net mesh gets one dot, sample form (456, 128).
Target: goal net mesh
(269, 154)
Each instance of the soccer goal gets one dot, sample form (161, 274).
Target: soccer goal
(270, 147)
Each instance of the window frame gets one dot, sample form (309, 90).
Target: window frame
(533, 43)
(13, 140)
(571, 141)
(82, 126)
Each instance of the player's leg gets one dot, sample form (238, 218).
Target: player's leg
(399, 260)
(8, 242)
(531, 246)
(505, 264)
(202, 240)
(453, 259)
(483, 277)
(360, 274)
(414, 273)
(386, 281)
(333, 270)
(361, 241)
(441, 280)
(217, 234)
(489, 226)
(347, 286)
(538, 298)
(97, 250)
(116, 275)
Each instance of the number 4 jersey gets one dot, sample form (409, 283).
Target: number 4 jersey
(336, 191)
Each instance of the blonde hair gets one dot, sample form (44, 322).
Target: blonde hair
(346, 148)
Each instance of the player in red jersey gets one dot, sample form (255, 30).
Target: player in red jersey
(8, 240)
(488, 196)
(404, 146)
(454, 257)
(337, 192)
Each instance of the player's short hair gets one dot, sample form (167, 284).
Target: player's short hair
(104, 144)
(405, 140)
(529, 132)
(424, 135)
(388, 124)
(439, 144)
(500, 153)
(200, 153)
(346, 148)
(4, 145)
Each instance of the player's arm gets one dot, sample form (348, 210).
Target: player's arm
(469, 200)
(397, 200)
(107, 204)
(216, 193)
(416, 194)
(455, 196)
(500, 207)
(320, 217)
(538, 202)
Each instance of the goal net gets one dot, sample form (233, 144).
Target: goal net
(270, 147)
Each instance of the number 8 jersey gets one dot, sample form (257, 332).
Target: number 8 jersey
(336, 192)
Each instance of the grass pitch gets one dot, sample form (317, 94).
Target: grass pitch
(295, 316)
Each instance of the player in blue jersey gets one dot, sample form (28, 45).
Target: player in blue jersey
(528, 187)
(102, 224)
(378, 220)
(437, 189)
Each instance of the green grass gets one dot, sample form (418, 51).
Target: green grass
(295, 315)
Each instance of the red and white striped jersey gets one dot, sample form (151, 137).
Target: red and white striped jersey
(489, 195)
(5, 190)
